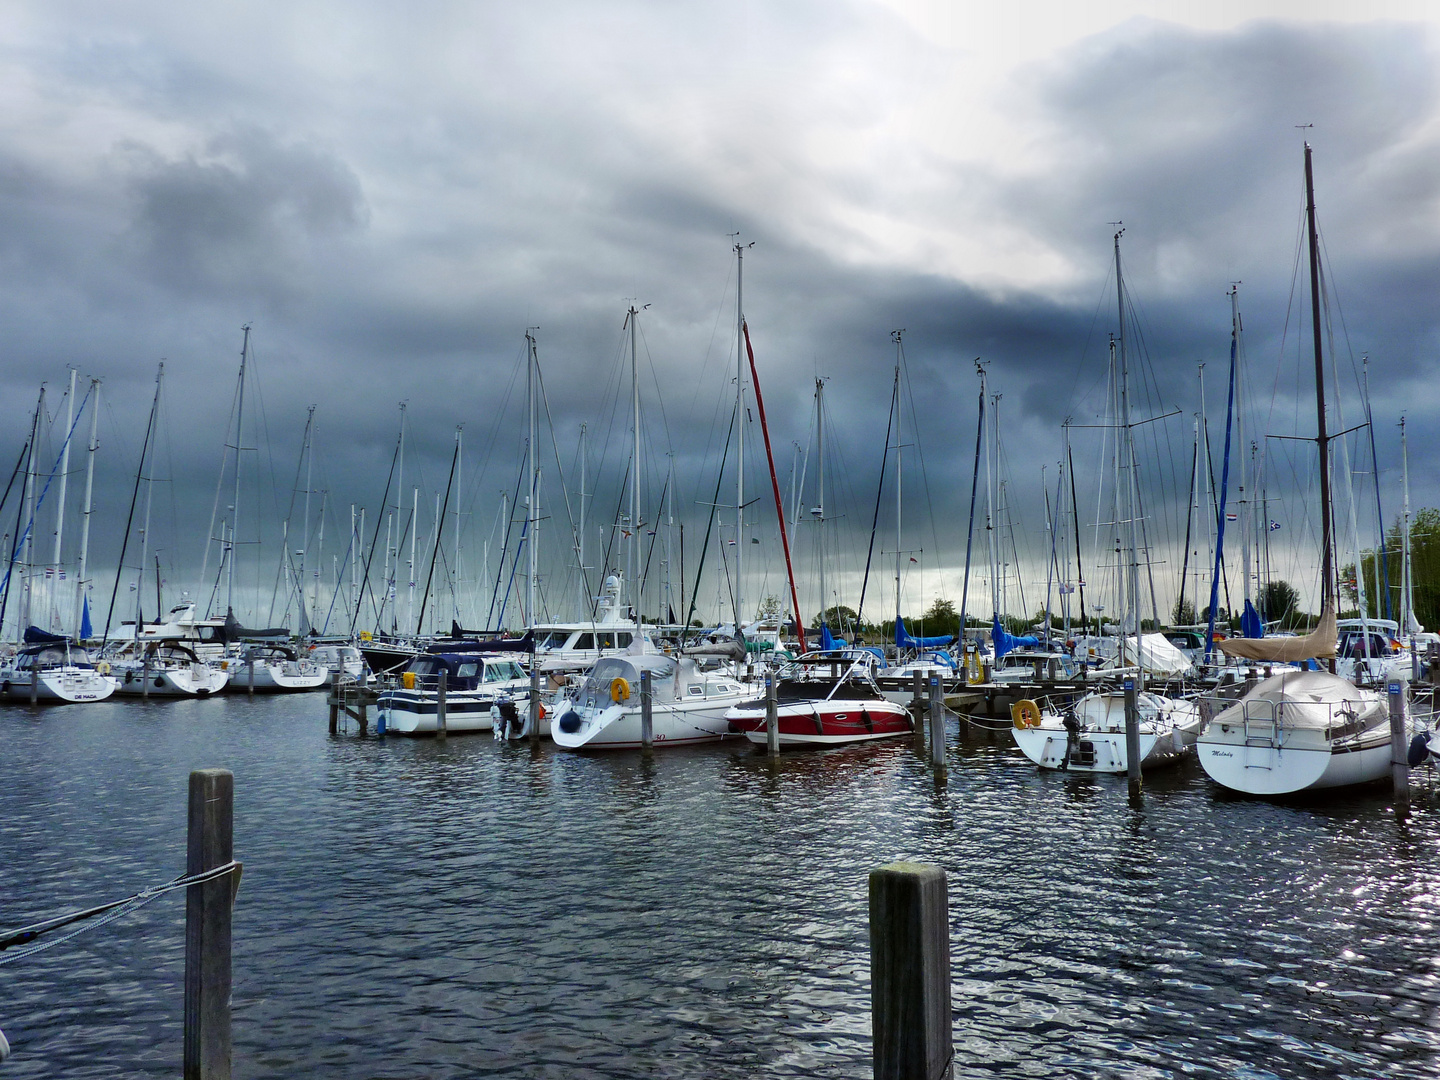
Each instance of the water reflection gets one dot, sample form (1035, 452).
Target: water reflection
(411, 908)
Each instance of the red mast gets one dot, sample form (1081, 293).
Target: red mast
(775, 487)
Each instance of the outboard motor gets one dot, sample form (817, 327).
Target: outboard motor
(506, 718)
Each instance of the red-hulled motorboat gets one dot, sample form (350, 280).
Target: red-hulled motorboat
(824, 699)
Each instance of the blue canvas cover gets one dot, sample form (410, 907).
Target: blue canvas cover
(903, 639)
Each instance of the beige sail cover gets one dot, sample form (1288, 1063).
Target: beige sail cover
(1319, 644)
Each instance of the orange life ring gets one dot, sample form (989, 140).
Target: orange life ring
(1025, 714)
(619, 689)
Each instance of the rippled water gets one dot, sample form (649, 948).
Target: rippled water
(416, 909)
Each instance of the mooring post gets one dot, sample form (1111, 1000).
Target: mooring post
(145, 676)
(910, 973)
(647, 719)
(534, 702)
(1132, 738)
(34, 682)
(207, 926)
(250, 666)
(441, 685)
(1399, 750)
(917, 681)
(772, 716)
(937, 721)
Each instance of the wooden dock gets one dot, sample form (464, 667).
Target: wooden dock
(354, 697)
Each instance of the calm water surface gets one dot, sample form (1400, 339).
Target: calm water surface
(413, 909)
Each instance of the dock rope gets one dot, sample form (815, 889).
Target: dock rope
(24, 940)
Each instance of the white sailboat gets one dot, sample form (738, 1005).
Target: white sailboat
(1092, 736)
(1300, 730)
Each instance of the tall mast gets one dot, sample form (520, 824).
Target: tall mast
(669, 530)
(1131, 570)
(455, 577)
(532, 494)
(991, 449)
(896, 335)
(820, 524)
(149, 498)
(31, 477)
(740, 440)
(410, 567)
(85, 514)
(239, 442)
(585, 597)
(60, 505)
(1322, 439)
(1407, 596)
(305, 532)
(635, 598)
(1243, 509)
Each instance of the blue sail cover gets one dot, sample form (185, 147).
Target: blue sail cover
(903, 640)
(35, 636)
(829, 641)
(1007, 642)
(86, 630)
(1250, 624)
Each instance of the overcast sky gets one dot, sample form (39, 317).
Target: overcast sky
(390, 195)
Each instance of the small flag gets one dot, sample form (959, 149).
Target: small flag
(913, 559)
(49, 571)
(754, 539)
(1232, 517)
(1066, 588)
(625, 533)
(1274, 525)
(730, 542)
(1081, 583)
(62, 575)
(133, 586)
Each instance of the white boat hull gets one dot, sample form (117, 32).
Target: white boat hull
(170, 681)
(287, 676)
(414, 712)
(62, 686)
(1295, 766)
(618, 727)
(1096, 752)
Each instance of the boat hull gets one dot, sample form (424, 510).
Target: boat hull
(618, 726)
(1296, 766)
(412, 712)
(60, 686)
(826, 722)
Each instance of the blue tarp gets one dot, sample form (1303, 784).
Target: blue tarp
(1007, 642)
(35, 636)
(828, 641)
(1250, 625)
(86, 630)
(903, 639)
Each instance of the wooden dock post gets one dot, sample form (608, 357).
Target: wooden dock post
(334, 702)
(1132, 738)
(647, 718)
(207, 926)
(917, 682)
(442, 683)
(34, 682)
(1399, 750)
(145, 677)
(910, 973)
(937, 721)
(250, 666)
(772, 716)
(534, 702)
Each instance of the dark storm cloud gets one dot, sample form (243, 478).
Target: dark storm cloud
(392, 211)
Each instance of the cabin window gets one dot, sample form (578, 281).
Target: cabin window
(467, 671)
(584, 641)
(605, 641)
(622, 640)
(695, 691)
(501, 670)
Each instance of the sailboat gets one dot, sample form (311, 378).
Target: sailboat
(688, 705)
(1300, 730)
(1093, 736)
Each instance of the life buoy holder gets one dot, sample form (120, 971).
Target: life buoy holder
(103, 667)
(407, 680)
(1025, 714)
(619, 689)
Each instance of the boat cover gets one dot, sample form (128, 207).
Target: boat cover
(1005, 641)
(903, 640)
(1319, 643)
(1307, 699)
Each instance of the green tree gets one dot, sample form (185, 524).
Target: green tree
(1184, 613)
(1280, 602)
(837, 617)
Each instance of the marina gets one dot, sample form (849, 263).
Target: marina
(469, 906)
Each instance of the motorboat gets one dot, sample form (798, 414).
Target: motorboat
(824, 699)
(1090, 736)
(338, 654)
(475, 683)
(689, 705)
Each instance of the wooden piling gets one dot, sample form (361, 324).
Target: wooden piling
(207, 926)
(647, 717)
(772, 717)
(910, 973)
(34, 681)
(441, 685)
(250, 666)
(535, 702)
(1132, 738)
(1399, 749)
(334, 702)
(937, 721)
(917, 692)
(145, 676)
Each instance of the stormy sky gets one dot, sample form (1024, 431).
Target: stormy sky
(391, 195)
